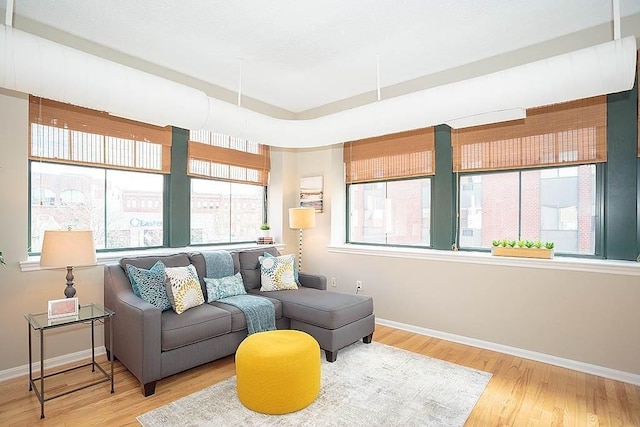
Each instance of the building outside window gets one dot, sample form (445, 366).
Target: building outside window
(391, 213)
(556, 204)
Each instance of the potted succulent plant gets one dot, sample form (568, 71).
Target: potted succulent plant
(522, 248)
(265, 230)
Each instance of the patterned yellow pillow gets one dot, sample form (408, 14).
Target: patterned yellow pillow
(276, 273)
(183, 288)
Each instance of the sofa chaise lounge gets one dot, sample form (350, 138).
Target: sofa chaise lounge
(153, 344)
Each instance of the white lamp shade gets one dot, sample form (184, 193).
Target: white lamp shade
(302, 218)
(68, 248)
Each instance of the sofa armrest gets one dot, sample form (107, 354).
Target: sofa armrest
(136, 327)
(315, 281)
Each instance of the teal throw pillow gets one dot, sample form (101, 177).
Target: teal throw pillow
(150, 284)
(224, 287)
(295, 268)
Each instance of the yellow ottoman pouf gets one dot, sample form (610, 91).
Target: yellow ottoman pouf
(278, 371)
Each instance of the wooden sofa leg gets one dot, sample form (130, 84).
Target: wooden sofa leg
(331, 355)
(148, 389)
(367, 339)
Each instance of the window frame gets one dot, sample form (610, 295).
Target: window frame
(599, 232)
(105, 213)
(389, 245)
(264, 211)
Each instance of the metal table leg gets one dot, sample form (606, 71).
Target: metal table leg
(41, 373)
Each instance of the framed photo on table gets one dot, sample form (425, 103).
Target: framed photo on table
(66, 307)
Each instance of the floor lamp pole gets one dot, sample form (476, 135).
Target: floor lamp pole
(300, 252)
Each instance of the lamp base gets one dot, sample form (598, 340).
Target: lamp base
(69, 291)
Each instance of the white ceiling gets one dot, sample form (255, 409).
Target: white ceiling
(299, 55)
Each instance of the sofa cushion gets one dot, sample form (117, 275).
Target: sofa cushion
(146, 262)
(238, 319)
(329, 310)
(224, 287)
(197, 324)
(250, 266)
(276, 273)
(183, 288)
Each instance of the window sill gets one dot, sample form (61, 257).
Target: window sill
(33, 262)
(627, 268)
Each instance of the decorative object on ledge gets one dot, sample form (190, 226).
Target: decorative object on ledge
(265, 230)
(265, 241)
(68, 248)
(2, 262)
(522, 248)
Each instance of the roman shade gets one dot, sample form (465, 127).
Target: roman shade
(222, 157)
(399, 155)
(561, 134)
(65, 133)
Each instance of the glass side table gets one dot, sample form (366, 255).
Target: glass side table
(40, 322)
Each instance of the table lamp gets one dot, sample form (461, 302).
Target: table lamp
(68, 248)
(301, 218)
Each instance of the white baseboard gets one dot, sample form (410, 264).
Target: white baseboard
(50, 363)
(600, 371)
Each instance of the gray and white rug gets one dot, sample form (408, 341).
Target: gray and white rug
(369, 385)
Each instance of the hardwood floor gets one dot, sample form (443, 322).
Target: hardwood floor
(520, 393)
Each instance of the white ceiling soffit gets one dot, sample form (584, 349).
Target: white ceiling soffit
(38, 66)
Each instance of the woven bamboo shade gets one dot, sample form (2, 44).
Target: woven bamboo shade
(561, 134)
(217, 156)
(69, 134)
(398, 155)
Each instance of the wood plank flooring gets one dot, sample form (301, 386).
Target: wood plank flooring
(521, 392)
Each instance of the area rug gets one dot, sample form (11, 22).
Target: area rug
(369, 385)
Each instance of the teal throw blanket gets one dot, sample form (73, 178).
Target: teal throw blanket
(259, 312)
(219, 264)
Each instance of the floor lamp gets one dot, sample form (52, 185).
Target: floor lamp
(301, 218)
(68, 248)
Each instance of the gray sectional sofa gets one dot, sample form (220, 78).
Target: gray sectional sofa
(154, 344)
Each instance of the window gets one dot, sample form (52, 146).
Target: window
(228, 187)
(91, 170)
(514, 180)
(389, 189)
(98, 199)
(391, 213)
(556, 205)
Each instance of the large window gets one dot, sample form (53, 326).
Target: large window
(225, 211)
(391, 213)
(92, 170)
(389, 189)
(533, 179)
(555, 204)
(228, 187)
(123, 208)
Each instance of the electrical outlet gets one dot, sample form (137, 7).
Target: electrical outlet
(358, 285)
(334, 282)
